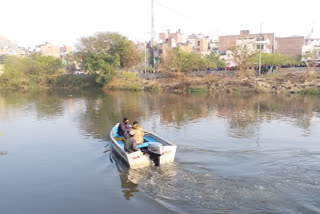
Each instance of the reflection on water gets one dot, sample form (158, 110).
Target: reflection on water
(236, 154)
(243, 113)
(3, 153)
(129, 178)
(128, 184)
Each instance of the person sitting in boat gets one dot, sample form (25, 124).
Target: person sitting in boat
(138, 132)
(130, 144)
(124, 128)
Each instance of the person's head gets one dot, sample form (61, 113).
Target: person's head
(125, 120)
(131, 133)
(135, 122)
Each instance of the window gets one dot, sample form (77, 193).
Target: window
(260, 38)
(260, 46)
(198, 43)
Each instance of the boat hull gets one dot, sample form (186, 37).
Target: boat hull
(140, 159)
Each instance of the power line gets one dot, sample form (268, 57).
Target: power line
(174, 11)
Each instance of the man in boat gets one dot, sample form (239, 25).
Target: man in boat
(124, 128)
(130, 144)
(138, 132)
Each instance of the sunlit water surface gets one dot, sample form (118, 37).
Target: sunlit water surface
(236, 154)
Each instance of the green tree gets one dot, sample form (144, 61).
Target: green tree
(272, 59)
(26, 72)
(213, 61)
(103, 53)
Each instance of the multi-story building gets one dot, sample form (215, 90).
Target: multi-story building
(214, 45)
(170, 40)
(311, 47)
(289, 46)
(202, 44)
(264, 41)
(8, 47)
(177, 36)
(50, 50)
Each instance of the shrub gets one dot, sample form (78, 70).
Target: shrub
(76, 81)
(126, 81)
(29, 72)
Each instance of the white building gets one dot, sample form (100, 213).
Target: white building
(255, 45)
(312, 46)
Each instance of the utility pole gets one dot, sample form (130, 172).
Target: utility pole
(152, 35)
(260, 40)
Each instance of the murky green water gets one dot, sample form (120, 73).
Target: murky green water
(236, 154)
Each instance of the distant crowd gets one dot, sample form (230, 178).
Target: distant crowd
(264, 68)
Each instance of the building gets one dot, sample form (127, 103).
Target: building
(228, 58)
(177, 36)
(312, 47)
(8, 47)
(214, 45)
(289, 46)
(192, 42)
(65, 50)
(169, 41)
(264, 41)
(250, 44)
(50, 50)
(202, 44)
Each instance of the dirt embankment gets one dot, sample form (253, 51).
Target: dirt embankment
(288, 82)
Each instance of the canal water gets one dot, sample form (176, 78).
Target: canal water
(236, 153)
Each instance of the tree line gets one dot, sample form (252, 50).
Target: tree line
(103, 54)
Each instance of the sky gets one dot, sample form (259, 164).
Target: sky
(63, 22)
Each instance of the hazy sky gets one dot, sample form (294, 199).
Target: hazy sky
(31, 22)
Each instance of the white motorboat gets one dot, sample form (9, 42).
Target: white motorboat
(153, 150)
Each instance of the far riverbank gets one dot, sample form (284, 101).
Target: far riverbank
(278, 82)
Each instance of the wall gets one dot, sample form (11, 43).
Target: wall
(204, 44)
(227, 42)
(50, 51)
(289, 46)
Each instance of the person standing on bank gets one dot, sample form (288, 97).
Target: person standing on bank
(138, 132)
(130, 144)
(124, 128)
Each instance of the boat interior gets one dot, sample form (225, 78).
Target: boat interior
(148, 138)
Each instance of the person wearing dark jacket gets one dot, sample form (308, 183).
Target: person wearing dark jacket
(130, 144)
(124, 128)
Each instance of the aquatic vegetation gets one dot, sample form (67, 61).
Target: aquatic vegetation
(310, 91)
(198, 89)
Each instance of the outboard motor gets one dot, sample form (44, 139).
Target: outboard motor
(155, 151)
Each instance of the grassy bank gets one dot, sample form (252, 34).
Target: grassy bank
(125, 81)
(282, 82)
(65, 81)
